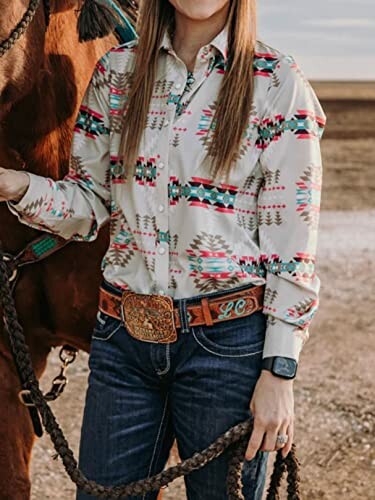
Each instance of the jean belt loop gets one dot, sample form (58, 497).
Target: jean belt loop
(183, 316)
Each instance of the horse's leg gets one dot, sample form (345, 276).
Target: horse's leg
(16, 431)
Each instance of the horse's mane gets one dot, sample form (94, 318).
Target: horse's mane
(130, 7)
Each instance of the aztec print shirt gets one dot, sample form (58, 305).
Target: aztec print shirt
(173, 231)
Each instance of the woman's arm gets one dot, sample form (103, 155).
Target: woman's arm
(288, 215)
(292, 167)
(77, 206)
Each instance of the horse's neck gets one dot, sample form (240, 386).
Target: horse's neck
(39, 127)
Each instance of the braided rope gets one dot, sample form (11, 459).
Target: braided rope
(234, 483)
(235, 438)
(276, 477)
(21, 27)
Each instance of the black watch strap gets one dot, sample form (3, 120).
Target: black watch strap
(267, 364)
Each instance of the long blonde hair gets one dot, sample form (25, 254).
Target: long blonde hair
(235, 96)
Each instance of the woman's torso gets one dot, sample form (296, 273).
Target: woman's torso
(173, 230)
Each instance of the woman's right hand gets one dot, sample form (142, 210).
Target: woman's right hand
(13, 184)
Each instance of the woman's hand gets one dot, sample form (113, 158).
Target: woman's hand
(272, 407)
(13, 184)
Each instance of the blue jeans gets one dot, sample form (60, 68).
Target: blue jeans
(141, 396)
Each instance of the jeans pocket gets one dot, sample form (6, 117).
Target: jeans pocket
(105, 327)
(237, 337)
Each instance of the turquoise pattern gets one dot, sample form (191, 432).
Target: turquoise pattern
(237, 307)
(44, 246)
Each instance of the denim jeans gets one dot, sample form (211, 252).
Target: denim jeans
(141, 396)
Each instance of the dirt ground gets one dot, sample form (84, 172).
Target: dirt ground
(335, 405)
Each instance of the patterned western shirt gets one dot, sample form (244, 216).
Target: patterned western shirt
(173, 230)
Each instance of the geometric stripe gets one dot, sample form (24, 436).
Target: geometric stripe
(145, 171)
(91, 123)
(203, 193)
(302, 266)
(264, 64)
(304, 124)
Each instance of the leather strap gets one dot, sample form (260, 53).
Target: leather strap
(35, 251)
(205, 312)
(39, 249)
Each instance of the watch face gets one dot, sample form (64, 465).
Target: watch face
(284, 367)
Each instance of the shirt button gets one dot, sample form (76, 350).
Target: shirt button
(161, 208)
(161, 165)
(162, 250)
(178, 85)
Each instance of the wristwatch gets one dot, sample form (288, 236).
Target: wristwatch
(280, 366)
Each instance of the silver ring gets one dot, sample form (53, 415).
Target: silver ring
(282, 439)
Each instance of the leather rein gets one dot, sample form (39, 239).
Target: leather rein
(24, 24)
(36, 251)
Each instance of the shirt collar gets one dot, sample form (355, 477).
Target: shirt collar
(220, 42)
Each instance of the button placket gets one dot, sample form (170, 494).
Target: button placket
(193, 81)
(162, 205)
(178, 90)
(162, 258)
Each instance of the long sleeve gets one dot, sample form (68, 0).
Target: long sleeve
(77, 206)
(288, 207)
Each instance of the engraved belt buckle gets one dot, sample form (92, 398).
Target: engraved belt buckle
(149, 318)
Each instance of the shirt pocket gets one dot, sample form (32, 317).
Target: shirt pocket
(237, 337)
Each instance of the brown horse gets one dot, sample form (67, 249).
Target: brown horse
(42, 80)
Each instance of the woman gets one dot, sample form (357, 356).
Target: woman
(201, 145)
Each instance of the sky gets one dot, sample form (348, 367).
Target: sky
(329, 39)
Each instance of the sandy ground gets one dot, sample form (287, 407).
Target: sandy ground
(335, 406)
(344, 90)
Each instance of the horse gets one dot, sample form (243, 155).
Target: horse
(42, 81)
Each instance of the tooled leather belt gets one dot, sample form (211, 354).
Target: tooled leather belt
(155, 318)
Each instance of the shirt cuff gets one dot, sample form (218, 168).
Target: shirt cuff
(32, 201)
(283, 339)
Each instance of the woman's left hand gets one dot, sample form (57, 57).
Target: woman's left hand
(272, 407)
